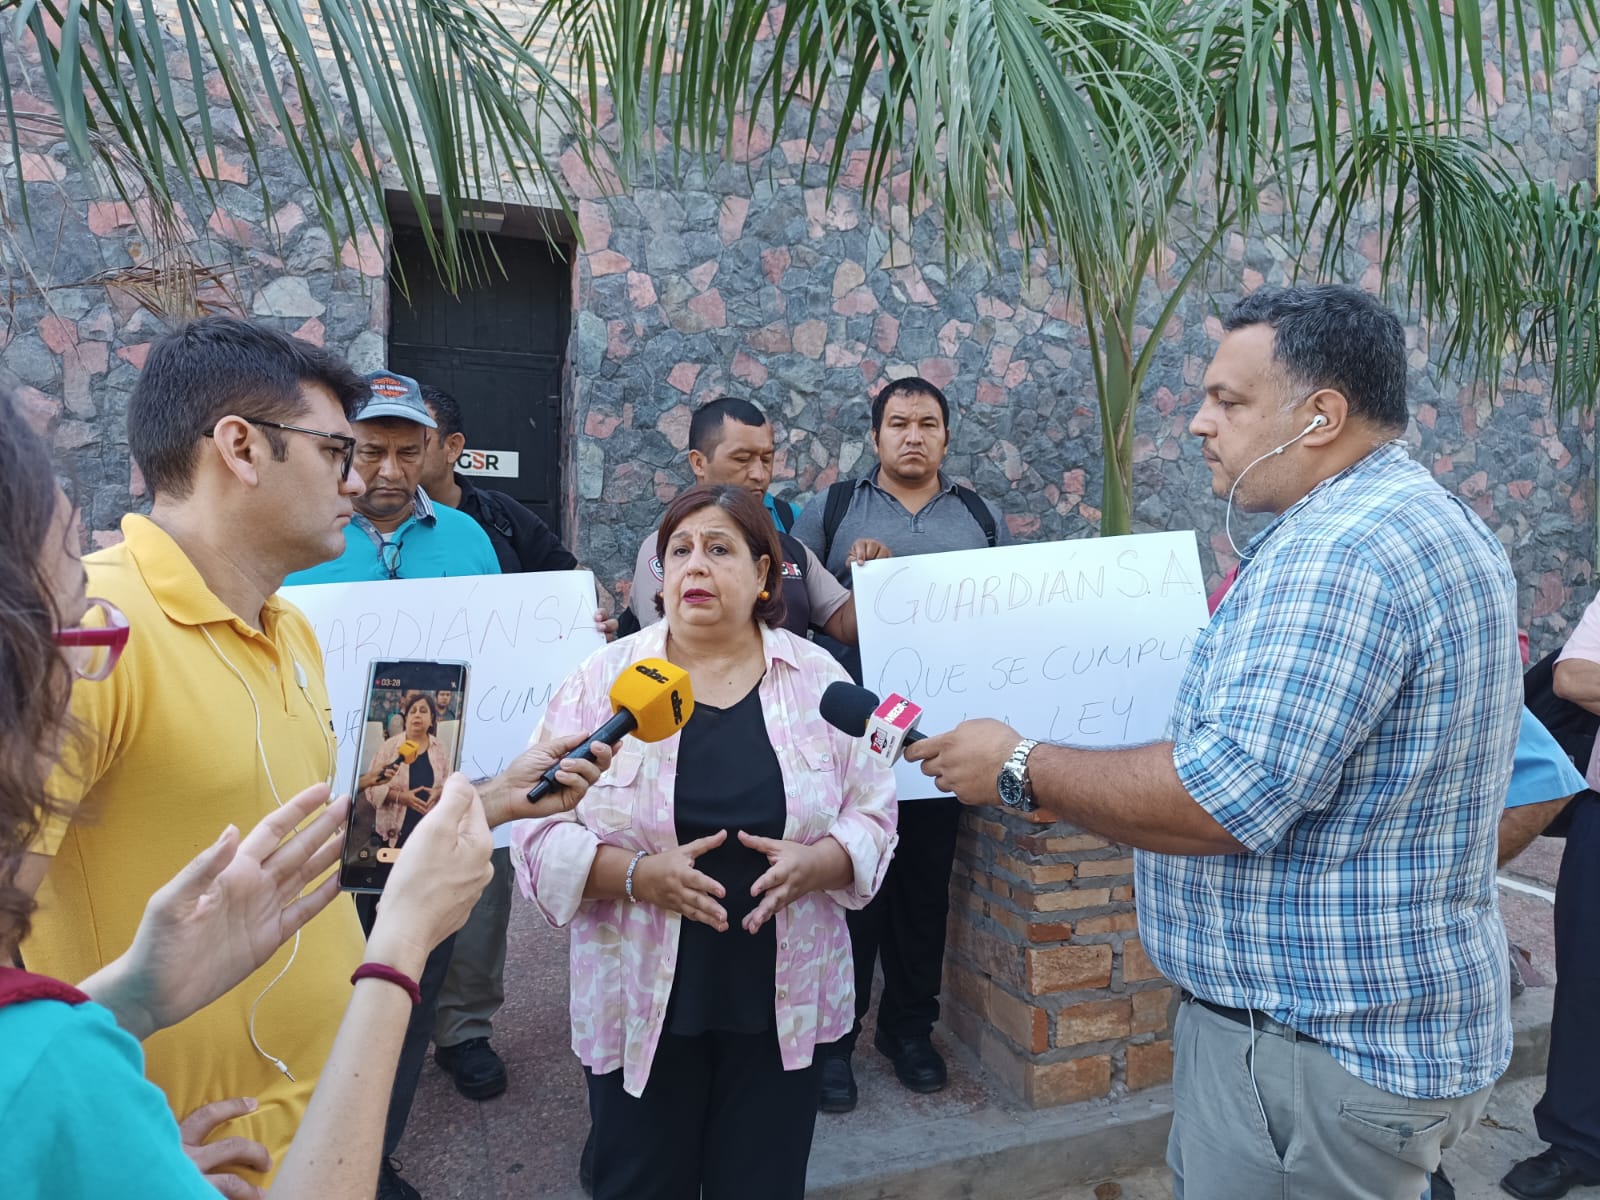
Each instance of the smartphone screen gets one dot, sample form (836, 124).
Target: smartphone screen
(410, 743)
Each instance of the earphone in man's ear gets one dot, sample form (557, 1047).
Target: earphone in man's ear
(1317, 422)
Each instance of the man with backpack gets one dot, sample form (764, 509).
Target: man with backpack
(905, 505)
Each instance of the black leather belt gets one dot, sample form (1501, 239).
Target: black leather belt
(1253, 1017)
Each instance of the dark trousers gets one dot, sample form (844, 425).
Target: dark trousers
(720, 1119)
(419, 1029)
(1568, 1116)
(904, 926)
(475, 986)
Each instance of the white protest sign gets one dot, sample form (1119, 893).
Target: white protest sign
(522, 635)
(1080, 642)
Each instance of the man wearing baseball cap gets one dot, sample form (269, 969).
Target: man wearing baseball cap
(397, 532)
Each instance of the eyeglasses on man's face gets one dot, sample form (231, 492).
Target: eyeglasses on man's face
(344, 450)
(94, 646)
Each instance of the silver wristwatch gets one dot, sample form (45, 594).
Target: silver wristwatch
(1015, 790)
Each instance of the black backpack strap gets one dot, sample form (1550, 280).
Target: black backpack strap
(782, 515)
(980, 513)
(494, 507)
(833, 514)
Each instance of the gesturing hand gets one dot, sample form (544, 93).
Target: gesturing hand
(670, 881)
(213, 1157)
(418, 799)
(794, 870)
(224, 915)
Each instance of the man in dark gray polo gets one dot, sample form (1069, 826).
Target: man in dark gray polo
(905, 505)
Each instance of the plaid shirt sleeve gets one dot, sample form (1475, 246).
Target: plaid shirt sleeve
(1297, 695)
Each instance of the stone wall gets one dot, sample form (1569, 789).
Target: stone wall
(82, 308)
(746, 278)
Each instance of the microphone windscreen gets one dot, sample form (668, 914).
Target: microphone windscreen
(408, 750)
(658, 695)
(847, 707)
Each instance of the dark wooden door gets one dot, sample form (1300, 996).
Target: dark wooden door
(497, 347)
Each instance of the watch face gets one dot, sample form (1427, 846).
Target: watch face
(1010, 786)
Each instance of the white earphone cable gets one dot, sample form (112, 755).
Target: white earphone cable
(1227, 516)
(261, 750)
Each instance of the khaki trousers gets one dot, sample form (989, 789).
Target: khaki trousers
(1316, 1133)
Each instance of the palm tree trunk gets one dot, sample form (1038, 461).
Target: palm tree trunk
(1119, 404)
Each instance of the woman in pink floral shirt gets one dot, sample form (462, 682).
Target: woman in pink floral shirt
(402, 793)
(706, 879)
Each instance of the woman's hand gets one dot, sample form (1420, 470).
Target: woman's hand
(505, 797)
(794, 870)
(224, 915)
(669, 880)
(214, 1158)
(436, 880)
(375, 777)
(418, 799)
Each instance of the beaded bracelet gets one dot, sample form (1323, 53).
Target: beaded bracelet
(388, 974)
(627, 883)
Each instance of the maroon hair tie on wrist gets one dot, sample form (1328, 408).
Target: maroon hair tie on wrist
(388, 974)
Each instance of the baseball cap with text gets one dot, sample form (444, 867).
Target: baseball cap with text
(395, 395)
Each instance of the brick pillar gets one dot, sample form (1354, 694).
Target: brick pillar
(1044, 973)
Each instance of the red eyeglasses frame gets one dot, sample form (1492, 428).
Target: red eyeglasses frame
(112, 636)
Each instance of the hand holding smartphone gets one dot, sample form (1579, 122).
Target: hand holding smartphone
(410, 744)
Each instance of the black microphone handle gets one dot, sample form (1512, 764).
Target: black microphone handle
(612, 732)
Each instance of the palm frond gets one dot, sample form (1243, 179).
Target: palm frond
(434, 91)
(1558, 237)
(1507, 270)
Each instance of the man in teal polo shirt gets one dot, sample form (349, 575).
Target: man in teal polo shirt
(397, 532)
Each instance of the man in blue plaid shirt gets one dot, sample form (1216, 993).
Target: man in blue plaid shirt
(1316, 844)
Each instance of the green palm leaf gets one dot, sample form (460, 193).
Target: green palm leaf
(438, 92)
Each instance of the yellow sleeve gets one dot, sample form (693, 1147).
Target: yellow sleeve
(91, 741)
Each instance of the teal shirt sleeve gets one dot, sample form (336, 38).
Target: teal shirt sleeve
(1541, 769)
(80, 1118)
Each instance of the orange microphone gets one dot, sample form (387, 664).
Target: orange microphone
(406, 752)
(651, 700)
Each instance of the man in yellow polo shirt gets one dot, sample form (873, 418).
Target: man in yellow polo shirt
(217, 711)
